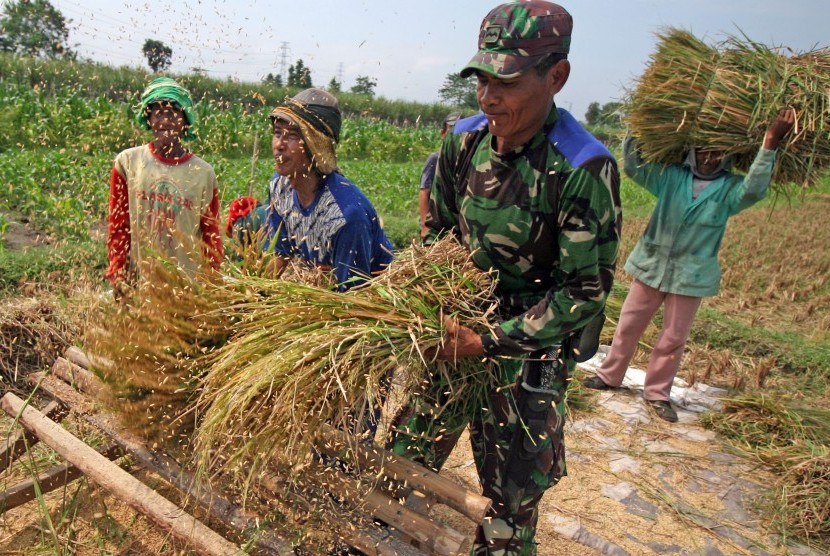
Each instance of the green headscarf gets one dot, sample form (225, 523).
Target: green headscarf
(165, 88)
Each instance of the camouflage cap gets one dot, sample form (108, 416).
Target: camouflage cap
(517, 35)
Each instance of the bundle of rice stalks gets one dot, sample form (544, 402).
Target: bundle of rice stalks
(272, 359)
(723, 97)
(303, 356)
(758, 421)
(669, 96)
(794, 442)
(801, 505)
(33, 332)
(147, 350)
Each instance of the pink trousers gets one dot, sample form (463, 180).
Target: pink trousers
(638, 309)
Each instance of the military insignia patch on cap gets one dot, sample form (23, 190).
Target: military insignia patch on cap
(492, 34)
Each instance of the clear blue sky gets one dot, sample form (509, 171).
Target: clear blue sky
(410, 47)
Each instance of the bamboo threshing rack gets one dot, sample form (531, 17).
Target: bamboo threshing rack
(409, 530)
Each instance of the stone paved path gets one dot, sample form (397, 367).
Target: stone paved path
(657, 470)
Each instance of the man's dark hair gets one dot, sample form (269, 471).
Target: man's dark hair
(548, 62)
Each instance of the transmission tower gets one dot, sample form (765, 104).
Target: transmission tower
(284, 61)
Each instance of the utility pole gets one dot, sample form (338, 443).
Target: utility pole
(340, 73)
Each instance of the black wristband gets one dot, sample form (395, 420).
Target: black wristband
(489, 344)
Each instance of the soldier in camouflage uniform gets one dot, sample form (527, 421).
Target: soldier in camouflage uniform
(535, 197)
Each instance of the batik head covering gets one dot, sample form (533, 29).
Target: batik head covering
(317, 114)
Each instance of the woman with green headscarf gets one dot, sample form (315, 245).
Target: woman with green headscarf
(164, 200)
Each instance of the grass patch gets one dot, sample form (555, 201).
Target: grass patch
(794, 353)
(55, 265)
(636, 201)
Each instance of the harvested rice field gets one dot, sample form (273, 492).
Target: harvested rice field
(634, 484)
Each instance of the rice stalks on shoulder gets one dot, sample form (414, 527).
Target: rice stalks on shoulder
(724, 96)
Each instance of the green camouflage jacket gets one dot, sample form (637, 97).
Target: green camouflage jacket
(546, 217)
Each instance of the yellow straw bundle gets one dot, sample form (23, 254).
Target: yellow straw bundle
(257, 365)
(303, 356)
(695, 95)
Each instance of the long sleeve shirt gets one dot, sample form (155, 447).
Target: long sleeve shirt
(167, 207)
(546, 217)
(678, 252)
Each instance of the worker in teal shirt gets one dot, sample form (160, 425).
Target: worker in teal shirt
(675, 263)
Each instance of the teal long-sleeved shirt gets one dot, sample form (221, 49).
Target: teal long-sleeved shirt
(678, 252)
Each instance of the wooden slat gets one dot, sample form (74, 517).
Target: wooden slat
(127, 488)
(17, 444)
(77, 376)
(215, 503)
(374, 541)
(51, 479)
(77, 356)
(472, 505)
(432, 536)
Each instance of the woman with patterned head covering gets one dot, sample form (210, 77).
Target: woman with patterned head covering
(164, 199)
(314, 212)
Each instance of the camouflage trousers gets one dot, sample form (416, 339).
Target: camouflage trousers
(515, 487)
